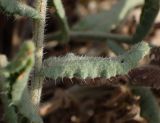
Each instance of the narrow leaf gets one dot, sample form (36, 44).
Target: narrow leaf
(105, 20)
(62, 19)
(16, 96)
(148, 16)
(149, 105)
(15, 7)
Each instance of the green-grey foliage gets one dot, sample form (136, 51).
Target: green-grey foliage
(105, 20)
(149, 13)
(60, 12)
(9, 115)
(100, 21)
(150, 108)
(16, 75)
(92, 67)
(16, 7)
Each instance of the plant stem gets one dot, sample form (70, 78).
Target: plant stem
(38, 38)
(148, 103)
(91, 35)
(94, 35)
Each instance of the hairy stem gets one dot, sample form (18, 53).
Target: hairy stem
(38, 37)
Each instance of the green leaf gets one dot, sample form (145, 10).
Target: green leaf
(16, 97)
(10, 115)
(105, 20)
(19, 93)
(62, 19)
(149, 105)
(9, 112)
(21, 60)
(15, 7)
(148, 16)
(115, 47)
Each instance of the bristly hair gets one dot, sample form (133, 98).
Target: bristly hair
(91, 67)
